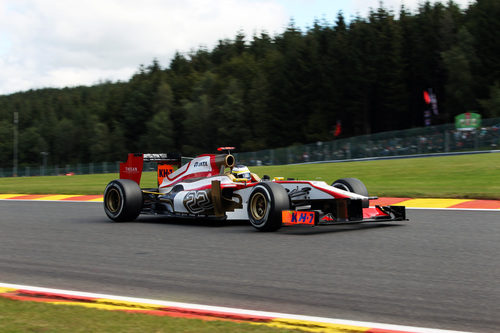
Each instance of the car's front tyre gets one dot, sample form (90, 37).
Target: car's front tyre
(122, 200)
(265, 204)
(353, 185)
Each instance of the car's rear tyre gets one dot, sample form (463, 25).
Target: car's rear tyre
(353, 185)
(122, 200)
(265, 204)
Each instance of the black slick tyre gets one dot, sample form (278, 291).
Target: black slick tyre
(122, 200)
(353, 185)
(265, 204)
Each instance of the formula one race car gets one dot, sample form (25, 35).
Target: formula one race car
(210, 186)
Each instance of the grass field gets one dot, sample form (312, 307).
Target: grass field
(21, 316)
(465, 176)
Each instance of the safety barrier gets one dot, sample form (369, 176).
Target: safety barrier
(416, 141)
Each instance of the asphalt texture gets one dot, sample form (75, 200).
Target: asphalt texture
(440, 270)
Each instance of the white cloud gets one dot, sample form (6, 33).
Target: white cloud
(363, 6)
(57, 43)
(52, 43)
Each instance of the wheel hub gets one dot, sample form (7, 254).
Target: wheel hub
(113, 200)
(258, 206)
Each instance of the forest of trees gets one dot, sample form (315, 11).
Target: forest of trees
(272, 91)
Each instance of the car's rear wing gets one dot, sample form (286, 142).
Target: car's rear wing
(132, 169)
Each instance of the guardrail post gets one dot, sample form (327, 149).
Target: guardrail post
(446, 141)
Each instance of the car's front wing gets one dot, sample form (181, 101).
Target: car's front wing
(317, 218)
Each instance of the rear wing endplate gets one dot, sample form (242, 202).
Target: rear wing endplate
(132, 169)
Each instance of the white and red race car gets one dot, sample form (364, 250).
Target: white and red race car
(206, 188)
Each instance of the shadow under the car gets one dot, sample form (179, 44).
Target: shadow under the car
(286, 230)
(305, 230)
(198, 222)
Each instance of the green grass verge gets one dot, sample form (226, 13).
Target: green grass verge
(22, 316)
(80, 184)
(465, 176)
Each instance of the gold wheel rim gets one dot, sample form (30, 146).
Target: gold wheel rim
(113, 200)
(258, 206)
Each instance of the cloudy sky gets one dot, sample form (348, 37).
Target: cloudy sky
(59, 43)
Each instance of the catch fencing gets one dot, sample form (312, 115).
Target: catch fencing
(424, 140)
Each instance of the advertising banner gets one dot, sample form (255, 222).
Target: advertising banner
(467, 121)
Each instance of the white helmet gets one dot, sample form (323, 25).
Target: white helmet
(241, 171)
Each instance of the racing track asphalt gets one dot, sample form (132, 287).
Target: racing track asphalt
(440, 270)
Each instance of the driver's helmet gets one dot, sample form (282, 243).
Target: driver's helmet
(241, 171)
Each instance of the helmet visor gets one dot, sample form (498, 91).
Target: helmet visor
(245, 175)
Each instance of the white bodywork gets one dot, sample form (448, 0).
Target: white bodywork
(194, 198)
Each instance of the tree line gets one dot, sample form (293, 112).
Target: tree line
(366, 75)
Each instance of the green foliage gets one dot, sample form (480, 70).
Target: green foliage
(492, 105)
(483, 22)
(268, 91)
(6, 140)
(457, 61)
(160, 128)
